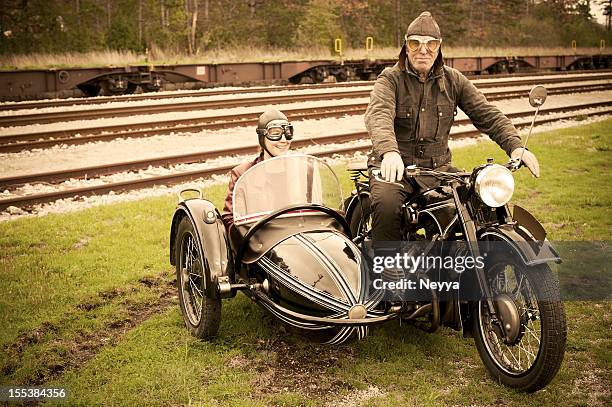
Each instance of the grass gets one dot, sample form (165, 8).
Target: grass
(232, 55)
(86, 303)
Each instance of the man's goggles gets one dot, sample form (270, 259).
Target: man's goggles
(414, 44)
(275, 129)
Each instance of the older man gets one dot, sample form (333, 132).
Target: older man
(411, 111)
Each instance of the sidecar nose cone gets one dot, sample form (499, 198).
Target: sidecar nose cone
(357, 311)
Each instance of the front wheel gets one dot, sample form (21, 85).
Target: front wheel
(202, 315)
(529, 353)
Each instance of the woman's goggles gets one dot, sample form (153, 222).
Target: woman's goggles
(274, 131)
(414, 44)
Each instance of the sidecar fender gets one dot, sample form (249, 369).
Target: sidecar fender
(529, 250)
(212, 239)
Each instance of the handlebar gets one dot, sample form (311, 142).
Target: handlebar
(412, 171)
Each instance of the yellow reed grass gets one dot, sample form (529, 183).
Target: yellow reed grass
(160, 56)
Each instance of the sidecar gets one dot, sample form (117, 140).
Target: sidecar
(290, 250)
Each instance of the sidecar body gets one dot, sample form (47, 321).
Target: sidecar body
(291, 251)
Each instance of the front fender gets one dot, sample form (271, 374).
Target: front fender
(529, 250)
(212, 238)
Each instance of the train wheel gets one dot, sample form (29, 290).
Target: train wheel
(113, 88)
(131, 88)
(341, 76)
(90, 89)
(317, 75)
(150, 88)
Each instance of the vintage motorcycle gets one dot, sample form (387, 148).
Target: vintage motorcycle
(309, 264)
(517, 318)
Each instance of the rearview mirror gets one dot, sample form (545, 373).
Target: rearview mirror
(537, 96)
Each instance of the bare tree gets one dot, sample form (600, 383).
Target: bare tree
(162, 12)
(192, 9)
(108, 13)
(140, 23)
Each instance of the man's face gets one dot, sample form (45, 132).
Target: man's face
(423, 58)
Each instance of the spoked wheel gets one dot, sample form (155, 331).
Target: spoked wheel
(529, 353)
(202, 315)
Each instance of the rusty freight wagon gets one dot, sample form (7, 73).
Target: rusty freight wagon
(116, 80)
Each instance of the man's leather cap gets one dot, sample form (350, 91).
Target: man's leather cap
(424, 24)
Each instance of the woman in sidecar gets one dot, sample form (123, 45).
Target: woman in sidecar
(292, 253)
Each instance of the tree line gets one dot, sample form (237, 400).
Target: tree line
(195, 26)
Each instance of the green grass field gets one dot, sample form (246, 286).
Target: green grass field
(87, 303)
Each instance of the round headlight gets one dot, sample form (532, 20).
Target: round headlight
(495, 185)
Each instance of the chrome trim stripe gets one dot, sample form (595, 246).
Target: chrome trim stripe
(293, 322)
(342, 336)
(333, 268)
(299, 287)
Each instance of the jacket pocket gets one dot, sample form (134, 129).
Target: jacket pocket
(446, 116)
(404, 123)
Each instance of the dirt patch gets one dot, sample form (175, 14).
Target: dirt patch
(302, 368)
(356, 398)
(82, 243)
(595, 384)
(32, 337)
(104, 297)
(64, 354)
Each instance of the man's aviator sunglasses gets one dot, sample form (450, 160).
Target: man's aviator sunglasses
(275, 131)
(414, 44)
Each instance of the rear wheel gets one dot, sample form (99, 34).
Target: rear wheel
(361, 219)
(529, 353)
(202, 315)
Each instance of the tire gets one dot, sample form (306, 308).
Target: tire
(202, 315)
(541, 285)
(361, 219)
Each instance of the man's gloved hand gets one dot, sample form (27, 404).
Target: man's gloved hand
(392, 167)
(529, 159)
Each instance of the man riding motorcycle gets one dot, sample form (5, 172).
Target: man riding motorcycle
(409, 117)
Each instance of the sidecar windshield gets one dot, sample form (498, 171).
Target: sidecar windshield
(282, 181)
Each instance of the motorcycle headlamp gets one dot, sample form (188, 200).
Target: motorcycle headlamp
(275, 130)
(494, 185)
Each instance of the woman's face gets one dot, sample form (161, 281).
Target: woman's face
(277, 148)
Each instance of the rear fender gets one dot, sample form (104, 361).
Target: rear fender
(352, 202)
(212, 239)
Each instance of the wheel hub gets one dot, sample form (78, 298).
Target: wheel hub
(509, 318)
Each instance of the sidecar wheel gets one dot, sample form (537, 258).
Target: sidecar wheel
(532, 360)
(202, 315)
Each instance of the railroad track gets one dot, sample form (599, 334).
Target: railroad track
(116, 111)
(28, 200)
(29, 141)
(548, 77)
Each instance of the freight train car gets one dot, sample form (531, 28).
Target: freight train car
(115, 80)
